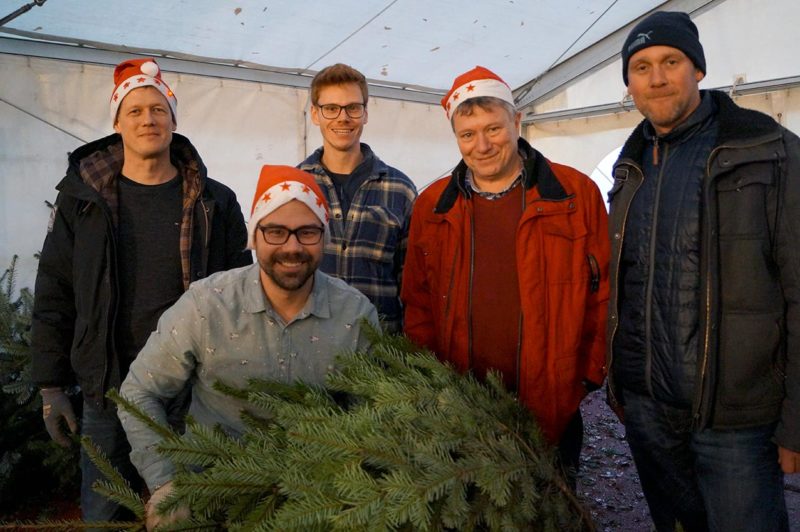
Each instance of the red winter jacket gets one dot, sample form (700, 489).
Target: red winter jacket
(562, 264)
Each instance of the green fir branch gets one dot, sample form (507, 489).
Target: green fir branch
(162, 430)
(116, 487)
(395, 440)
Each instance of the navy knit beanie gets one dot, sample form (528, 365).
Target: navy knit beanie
(664, 28)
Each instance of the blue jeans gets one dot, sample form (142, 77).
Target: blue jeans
(105, 431)
(717, 480)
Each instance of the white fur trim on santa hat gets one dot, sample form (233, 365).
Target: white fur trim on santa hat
(279, 195)
(147, 77)
(475, 89)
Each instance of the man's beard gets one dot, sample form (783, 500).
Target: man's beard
(289, 281)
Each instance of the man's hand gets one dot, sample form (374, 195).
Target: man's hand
(55, 407)
(789, 460)
(155, 519)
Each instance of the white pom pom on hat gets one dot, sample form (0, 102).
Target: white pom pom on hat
(136, 73)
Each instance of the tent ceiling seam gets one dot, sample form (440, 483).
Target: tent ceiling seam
(355, 32)
(581, 35)
(40, 119)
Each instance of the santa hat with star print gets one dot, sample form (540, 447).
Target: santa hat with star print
(278, 185)
(474, 83)
(137, 73)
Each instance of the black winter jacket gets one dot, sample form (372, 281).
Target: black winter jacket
(656, 343)
(748, 370)
(72, 336)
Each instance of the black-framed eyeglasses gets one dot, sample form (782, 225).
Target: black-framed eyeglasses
(332, 110)
(308, 235)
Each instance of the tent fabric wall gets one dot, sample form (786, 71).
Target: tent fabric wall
(50, 107)
(740, 37)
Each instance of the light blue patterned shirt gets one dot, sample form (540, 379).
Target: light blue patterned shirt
(224, 329)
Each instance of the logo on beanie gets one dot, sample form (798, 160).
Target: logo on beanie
(640, 39)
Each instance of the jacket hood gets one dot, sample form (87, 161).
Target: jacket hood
(536, 171)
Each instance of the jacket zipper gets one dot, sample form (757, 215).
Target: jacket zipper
(648, 309)
(655, 151)
(521, 315)
(208, 229)
(610, 340)
(112, 318)
(471, 275)
(594, 273)
(443, 331)
(707, 335)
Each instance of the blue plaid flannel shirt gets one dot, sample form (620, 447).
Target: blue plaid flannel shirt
(368, 249)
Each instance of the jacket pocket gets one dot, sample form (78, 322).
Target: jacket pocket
(565, 253)
(742, 197)
(749, 357)
(79, 335)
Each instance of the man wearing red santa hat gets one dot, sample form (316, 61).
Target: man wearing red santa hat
(506, 267)
(135, 221)
(281, 319)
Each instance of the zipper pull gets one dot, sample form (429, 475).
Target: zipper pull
(655, 152)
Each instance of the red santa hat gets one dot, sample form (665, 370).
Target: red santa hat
(474, 83)
(137, 73)
(278, 185)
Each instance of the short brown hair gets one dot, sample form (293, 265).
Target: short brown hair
(338, 74)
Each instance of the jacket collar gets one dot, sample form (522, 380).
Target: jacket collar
(536, 171)
(372, 164)
(98, 164)
(94, 167)
(736, 124)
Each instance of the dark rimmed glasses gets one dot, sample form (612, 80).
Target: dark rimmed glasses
(308, 235)
(332, 110)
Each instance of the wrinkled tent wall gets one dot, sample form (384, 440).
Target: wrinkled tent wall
(50, 107)
(757, 39)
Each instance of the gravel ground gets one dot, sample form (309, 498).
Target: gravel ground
(608, 483)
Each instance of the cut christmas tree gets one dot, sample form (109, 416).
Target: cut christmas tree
(394, 441)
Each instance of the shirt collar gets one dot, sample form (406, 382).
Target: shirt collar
(470, 182)
(255, 300)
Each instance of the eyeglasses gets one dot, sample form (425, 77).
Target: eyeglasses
(331, 110)
(277, 235)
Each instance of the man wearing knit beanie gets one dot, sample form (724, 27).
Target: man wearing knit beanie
(704, 366)
(135, 221)
(281, 319)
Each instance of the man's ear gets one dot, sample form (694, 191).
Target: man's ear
(315, 114)
(698, 75)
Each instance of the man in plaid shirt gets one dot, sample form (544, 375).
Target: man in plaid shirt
(370, 201)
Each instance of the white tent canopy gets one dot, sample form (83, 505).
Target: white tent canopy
(414, 44)
(240, 70)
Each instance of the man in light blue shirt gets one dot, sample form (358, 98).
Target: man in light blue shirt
(281, 319)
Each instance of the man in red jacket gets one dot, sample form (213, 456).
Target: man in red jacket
(506, 266)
